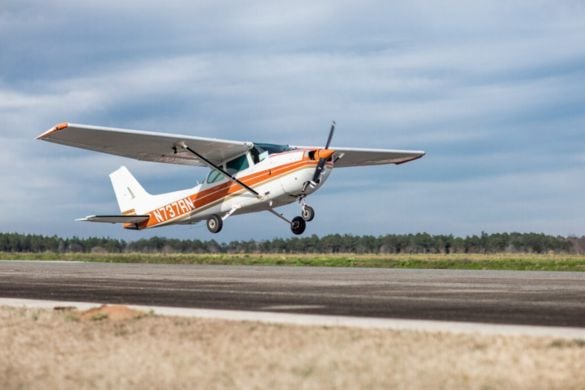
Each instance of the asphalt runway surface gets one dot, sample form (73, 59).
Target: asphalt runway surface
(498, 297)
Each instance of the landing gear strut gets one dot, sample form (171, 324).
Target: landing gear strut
(297, 225)
(214, 224)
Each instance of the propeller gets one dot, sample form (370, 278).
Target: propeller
(323, 157)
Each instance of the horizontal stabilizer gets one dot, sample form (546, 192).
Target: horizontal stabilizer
(115, 218)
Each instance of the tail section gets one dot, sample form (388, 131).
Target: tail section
(132, 197)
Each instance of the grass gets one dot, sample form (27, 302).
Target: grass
(99, 317)
(45, 349)
(505, 261)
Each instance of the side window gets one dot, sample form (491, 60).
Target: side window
(232, 167)
(214, 176)
(258, 154)
(237, 164)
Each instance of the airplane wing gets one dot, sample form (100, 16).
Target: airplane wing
(114, 218)
(144, 145)
(355, 157)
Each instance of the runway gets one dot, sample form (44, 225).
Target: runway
(495, 297)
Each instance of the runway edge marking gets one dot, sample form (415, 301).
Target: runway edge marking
(472, 328)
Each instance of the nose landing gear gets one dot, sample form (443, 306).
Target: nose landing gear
(298, 224)
(307, 213)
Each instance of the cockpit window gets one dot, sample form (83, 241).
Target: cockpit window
(214, 176)
(260, 151)
(238, 164)
(232, 167)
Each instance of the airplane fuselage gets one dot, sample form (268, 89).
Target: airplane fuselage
(280, 179)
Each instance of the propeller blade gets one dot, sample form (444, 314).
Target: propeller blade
(318, 170)
(322, 161)
(330, 135)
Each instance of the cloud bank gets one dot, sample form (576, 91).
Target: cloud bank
(491, 91)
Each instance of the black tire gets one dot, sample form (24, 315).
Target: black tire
(214, 224)
(298, 225)
(308, 213)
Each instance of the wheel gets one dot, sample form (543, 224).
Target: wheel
(214, 224)
(298, 225)
(308, 213)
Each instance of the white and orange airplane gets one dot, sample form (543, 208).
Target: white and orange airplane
(245, 177)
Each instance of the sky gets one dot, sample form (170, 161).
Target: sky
(491, 90)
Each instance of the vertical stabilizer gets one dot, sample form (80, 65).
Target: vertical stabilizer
(132, 197)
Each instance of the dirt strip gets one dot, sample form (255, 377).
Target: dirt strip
(116, 347)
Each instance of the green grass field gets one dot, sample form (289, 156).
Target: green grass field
(524, 262)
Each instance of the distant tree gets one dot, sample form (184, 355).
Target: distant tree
(334, 243)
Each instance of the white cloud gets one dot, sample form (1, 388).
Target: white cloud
(490, 90)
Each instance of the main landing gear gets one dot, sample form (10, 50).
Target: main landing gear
(214, 224)
(298, 224)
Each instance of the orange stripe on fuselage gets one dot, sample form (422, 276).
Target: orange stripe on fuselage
(191, 204)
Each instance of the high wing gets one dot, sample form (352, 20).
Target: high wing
(355, 157)
(145, 145)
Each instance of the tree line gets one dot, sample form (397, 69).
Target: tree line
(335, 243)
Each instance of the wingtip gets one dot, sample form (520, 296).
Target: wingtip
(54, 129)
(420, 154)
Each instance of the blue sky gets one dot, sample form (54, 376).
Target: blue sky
(493, 91)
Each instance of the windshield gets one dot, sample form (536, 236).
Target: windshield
(260, 151)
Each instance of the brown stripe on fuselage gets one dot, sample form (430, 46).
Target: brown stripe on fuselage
(208, 197)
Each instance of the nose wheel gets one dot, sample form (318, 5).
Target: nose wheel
(307, 213)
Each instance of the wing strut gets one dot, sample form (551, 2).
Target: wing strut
(215, 166)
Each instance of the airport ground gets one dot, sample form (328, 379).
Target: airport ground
(536, 298)
(121, 348)
(69, 350)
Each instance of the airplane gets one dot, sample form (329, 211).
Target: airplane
(244, 177)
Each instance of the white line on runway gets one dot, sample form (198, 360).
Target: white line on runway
(325, 320)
